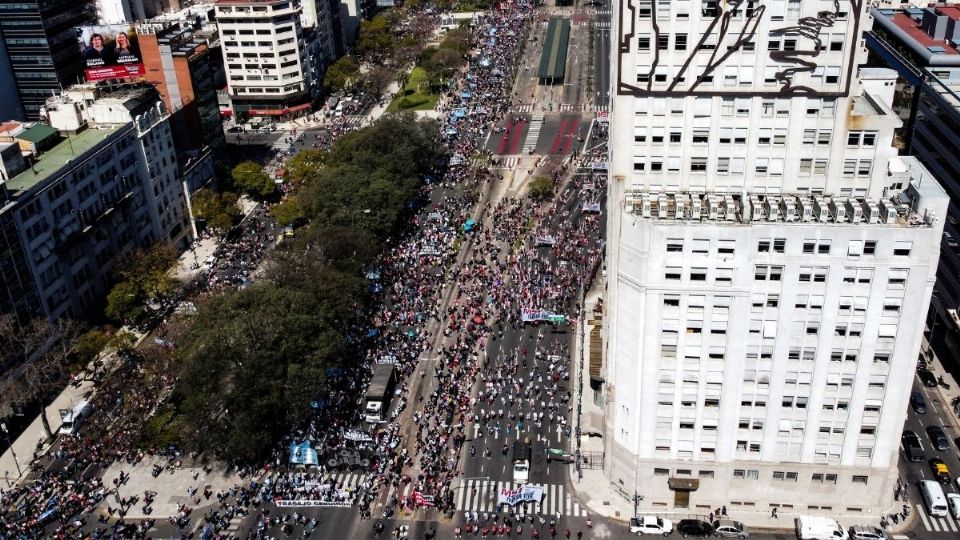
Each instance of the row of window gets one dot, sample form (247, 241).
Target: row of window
(703, 107)
(738, 136)
(732, 75)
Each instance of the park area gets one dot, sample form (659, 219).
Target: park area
(416, 94)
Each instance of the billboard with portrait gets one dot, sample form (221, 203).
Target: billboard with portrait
(110, 52)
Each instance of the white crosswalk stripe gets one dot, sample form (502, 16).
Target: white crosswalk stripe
(481, 496)
(565, 107)
(937, 524)
(533, 133)
(526, 107)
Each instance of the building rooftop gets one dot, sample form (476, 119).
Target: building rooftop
(37, 133)
(932, 33)
(51, 161)
(913, 207)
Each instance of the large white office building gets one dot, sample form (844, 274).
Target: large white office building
(770, 261)
(265, 56)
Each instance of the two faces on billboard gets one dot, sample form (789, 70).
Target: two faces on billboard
(107, 50)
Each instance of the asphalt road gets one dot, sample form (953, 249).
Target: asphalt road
(938, 414)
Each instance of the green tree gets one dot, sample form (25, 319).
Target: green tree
(287, 212)
(149, 270)
(251, 179)
(375, 37)
(89, 345)
(218, 209)
(305, 166)
(125, 302)
(541, 188)
(340, 74)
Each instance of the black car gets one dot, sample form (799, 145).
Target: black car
(917, 402)
(927, 377)
(912, 447)
(938, 438)
(694, 527)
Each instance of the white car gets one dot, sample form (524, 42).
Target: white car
(651, 525)
(953, 501)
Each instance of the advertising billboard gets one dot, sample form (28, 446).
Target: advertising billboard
(110, 51)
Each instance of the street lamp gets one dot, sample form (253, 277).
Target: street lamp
(3, 426)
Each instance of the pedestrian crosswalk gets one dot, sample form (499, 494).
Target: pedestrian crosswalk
(935, 524)
(600, 108)
(566, 107)
(481, 496)
(603, 24)
(508, 162)
(530, 143)
(526, 107)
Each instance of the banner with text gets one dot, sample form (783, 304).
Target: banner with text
(528, 493)
(110, 51)
(306, 503)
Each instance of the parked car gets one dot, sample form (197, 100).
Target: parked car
(917, 402)
(940, 470)
(912, 447)
(927, 377)
(728, 528)
(651, 525)
(953, 501)
(867, 532)
(938, 438)
(694, 527)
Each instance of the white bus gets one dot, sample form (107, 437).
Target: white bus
(933, 498)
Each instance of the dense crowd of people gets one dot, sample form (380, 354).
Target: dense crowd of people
(506, 271)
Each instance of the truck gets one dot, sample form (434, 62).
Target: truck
(820, 528)
(522, 454)
(379, 393)
(73, 418)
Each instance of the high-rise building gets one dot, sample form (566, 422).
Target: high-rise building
(119, 11)
(264, 51)
(921, 44)
(184, 62)
(770, 260)
(42, 47)
(10, 107)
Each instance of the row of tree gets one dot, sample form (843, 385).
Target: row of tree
(255, 358)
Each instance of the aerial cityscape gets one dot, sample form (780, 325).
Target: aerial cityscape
(444, 269)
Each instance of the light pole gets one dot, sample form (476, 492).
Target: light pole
(3, 426)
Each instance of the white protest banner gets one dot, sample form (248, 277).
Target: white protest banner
(528, 493)
(307, 503)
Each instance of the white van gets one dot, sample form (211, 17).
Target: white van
(72, 418)
(820, 528)
(933, 498)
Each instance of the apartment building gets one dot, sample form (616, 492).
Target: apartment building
(770, 260)
(922, 46)
(265, 55)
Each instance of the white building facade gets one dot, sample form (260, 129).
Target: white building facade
(88, 104)
(770, 261)
(264, 55)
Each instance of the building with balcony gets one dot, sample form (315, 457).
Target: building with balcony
(266, 58)
(770, 259)
(921, 45)
(98, 182)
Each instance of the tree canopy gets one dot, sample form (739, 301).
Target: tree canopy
(219, 210)
(255, 358)
(340, 74)
(251, 179)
